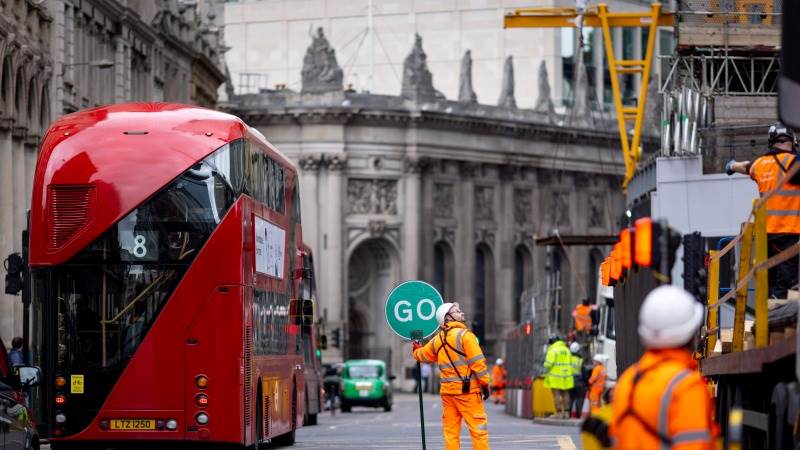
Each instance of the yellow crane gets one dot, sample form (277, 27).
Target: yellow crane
(599, 16)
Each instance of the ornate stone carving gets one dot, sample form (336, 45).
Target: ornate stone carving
(372, 196)
(484, 202)
(525, 238)
(466, 94)
(580, 114)
(523, 206)
(468, 169)
(559, 209)
(485, 235)
(443, 200)
(581, 179)
(596, 208)
(511, 171)
(544, 103)
(444, 234)
(417, 79)
(335, 161)
(376, 227)
(507, 99)
(321, 73)
(310, 163)
(416, 165)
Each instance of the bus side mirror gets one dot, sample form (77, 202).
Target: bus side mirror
(323, 342)
(301, 312)
(29, 376)
(307, 312)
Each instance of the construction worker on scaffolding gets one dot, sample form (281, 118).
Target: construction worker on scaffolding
(783, 208)
(463, 374)
(662, 401)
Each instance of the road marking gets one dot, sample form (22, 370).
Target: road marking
(565, 443)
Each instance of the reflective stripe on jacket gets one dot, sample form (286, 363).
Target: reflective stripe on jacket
(467, 358)
(558, 363)
(583, 317)
(783, 208)
(662, 402)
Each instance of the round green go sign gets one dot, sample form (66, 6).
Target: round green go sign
(411, 307)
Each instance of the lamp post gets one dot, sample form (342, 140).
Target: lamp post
(99, 63)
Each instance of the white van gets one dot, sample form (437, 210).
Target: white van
(606, 340)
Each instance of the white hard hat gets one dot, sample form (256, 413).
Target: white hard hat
(574, 347)
(442, 311)
(499, 361)
(669, 317)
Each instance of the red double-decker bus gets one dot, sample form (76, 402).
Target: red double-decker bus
(168, 275)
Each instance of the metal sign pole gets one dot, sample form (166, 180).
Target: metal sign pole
(416, 335)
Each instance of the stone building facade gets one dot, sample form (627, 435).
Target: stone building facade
(59, 56)
(452, 192)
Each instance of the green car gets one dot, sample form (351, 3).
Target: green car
(365, 383)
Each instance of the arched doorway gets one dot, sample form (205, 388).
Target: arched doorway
(523, 277)
(443, 270)
(373, 270)
(484, 289)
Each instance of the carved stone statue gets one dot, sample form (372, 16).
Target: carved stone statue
(321, 73)
(465, 92)
(417, 79)
(580, 110)
(544, 103)
(507, 99)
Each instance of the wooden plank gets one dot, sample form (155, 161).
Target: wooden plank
(717, 35)
(748, 361)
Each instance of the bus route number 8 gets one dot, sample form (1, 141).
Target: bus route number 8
(139, 248)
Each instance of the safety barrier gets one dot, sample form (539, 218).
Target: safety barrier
(753, 262)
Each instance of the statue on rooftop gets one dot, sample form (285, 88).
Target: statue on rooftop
(321, 72)
(544, 103)
(417, 79)
(465, 92)
(507, 99)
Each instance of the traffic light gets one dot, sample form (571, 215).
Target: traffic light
(336, 338)
(654, 241)
(695, 273)
(14, 266)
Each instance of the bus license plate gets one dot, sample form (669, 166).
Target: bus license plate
(133, 424)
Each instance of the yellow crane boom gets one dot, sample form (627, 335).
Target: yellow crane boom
(600, 17)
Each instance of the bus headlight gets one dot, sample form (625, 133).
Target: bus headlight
(61, 418)
(202, 418)
(172, 424)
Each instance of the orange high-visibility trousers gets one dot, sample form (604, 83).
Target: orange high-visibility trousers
(499, 395)
(470, 408)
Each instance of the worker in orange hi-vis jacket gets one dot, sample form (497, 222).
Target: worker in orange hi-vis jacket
(464, 377)
(499, 374)
(597, 382)
(662, 401)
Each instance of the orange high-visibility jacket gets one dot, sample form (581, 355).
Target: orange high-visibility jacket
(498, 377)
(598, 378)
(783, 208)
(467, 359)
(583, 317)
(663, 402)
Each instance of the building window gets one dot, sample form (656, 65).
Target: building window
(484, 288)
(522, 279)
(443, 269)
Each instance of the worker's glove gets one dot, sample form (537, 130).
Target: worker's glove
(415, 345)
(729, 167)
(485, 392)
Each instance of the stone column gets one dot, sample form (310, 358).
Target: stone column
(334, 284)
(505, 256)
(465, 239)
(7, 302)
(309, 186)
(412, 217)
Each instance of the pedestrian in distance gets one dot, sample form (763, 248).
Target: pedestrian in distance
(499, 375)
(426, 376)
(597, 381)
(558, 364)
(464, 377)
(15, 356)
(662, 401)
(783, 208)
(577, 394)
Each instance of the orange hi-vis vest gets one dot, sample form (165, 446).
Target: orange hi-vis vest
(783, 208)
(663, 402)
(498, 377)
(583, 317)
(455, 349)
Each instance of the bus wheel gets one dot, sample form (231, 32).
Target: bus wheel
(288, 438)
